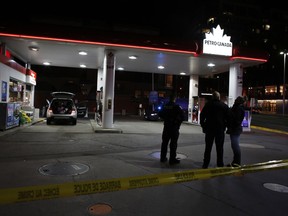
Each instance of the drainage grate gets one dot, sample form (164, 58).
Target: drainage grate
(157, 155)
(276, 187)
(64, 168)
(251, 145)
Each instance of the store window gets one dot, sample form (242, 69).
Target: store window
(27, 98)
(16, 90)
(169, 81)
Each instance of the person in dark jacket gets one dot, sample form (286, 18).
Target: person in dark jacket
(234, 128)
(213, 120)
(173, 116)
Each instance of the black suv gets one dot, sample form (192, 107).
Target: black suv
(61, 107)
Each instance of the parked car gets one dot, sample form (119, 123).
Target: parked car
(151, 114)
(61, 108)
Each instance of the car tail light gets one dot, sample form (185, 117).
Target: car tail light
(50, 110)
(73, 111)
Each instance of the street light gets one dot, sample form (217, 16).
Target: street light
(284, 53)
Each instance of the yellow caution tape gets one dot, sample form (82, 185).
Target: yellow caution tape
(269, 130)
(42, 192)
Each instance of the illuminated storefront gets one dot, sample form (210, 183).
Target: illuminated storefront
(17, 83)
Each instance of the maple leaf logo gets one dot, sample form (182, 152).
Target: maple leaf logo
(217, 33)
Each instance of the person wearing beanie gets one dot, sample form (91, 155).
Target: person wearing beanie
(234, 129)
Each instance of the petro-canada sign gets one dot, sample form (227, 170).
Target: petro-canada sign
(216, 43)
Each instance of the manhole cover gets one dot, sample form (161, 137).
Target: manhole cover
(251, 146)
(64, 168)
(276, 187)
(157, 155)
(100, 209)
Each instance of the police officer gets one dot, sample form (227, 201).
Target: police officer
(172, 115)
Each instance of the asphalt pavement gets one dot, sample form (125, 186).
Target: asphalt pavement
(117, 171)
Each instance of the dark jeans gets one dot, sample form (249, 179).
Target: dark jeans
(210, 137)
(170, 133)
(235, 139)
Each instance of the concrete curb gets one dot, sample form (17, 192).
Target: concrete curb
(98, 129)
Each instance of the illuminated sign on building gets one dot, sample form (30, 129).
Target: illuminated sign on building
(216, 43)
(31, 77)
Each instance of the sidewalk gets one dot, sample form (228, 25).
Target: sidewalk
(265, 122)
(270, 123)
(14, 129)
